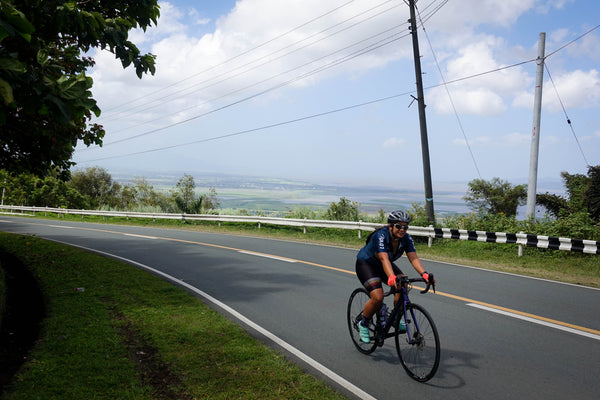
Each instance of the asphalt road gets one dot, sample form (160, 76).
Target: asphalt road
(502, 336)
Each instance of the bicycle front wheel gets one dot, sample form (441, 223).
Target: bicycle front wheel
(356, 304)
(418, 347)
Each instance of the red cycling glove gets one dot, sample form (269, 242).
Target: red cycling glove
(392, 280)
(425, 276)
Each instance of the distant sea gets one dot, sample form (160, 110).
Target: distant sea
(279, 196)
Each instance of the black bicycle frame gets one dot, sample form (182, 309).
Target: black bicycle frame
(398, 311)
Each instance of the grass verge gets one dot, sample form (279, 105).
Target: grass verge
(115, 332)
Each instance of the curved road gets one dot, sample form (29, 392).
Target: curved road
(503, 336)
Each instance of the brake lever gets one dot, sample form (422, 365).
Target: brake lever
(429, 285)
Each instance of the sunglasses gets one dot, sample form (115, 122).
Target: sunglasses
(400, 226)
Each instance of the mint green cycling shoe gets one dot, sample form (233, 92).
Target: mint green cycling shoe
(365, 335)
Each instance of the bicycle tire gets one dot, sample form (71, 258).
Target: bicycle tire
(356, 304)
(421, 359)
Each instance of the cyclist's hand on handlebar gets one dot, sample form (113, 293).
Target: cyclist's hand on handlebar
(391, 280)
(429, 279)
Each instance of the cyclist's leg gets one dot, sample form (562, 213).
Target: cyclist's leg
(371, 278)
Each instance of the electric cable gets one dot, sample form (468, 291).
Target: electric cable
(278, 86)
(253, 129)
(447, 90)
(240, 54)
(252, 50)
(261, 65)
(567, 116)
(572, 41)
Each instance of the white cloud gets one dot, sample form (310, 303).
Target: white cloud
(261, 48)
(545, 7)
(207, 63)
(479, 95)
(467, 14)
(575, 89)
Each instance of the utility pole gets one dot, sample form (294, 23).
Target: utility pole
(535, 135)
(422, 119)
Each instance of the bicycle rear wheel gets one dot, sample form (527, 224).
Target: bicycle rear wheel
(419, 347)
(356, 304)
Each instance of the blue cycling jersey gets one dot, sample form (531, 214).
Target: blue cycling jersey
(381, 241)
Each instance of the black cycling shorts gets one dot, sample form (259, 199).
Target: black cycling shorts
(371, 276)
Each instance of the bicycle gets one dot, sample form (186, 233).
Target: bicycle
(418, 345)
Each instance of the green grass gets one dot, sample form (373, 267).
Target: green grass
(131, 335)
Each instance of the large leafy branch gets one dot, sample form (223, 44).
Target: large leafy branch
(46, 102)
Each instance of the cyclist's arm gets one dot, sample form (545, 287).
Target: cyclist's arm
(416, 262)
(387, 264)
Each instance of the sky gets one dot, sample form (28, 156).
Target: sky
(323, 92)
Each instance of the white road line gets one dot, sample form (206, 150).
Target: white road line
(140, 236)
(537, 321)
(280, 342)
(267, 256)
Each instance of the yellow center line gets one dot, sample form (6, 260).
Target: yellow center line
(452, 296)
(521, 313)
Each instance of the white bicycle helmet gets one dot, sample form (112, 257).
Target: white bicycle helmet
(398, 216)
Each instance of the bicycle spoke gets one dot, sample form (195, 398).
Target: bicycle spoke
(419, 347)
(356, 303)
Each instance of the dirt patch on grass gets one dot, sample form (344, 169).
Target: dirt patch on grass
(21, 326)
(153, 371)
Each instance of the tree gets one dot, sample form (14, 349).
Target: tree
(49, 191)
(583, 195)
(210, 201)
(97, 185)
(45, 99)
(593, 193)
(495, 197)
(145, 193)
(185, 195)
(344, 210)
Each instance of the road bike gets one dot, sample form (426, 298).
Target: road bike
(415, 333)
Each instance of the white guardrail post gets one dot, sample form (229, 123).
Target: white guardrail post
(521, 239)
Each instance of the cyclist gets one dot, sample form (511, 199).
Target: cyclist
(375, 264)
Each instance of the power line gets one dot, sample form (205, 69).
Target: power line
(566, 116)
(272, 60)
(346, 58)
(260, 58)
(446, 88)
(253, 129)
(241, 54)
(293, 120)
(330, 65)
(572, 41)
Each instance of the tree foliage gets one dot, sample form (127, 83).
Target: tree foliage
(185, 196)
(97, 185)
(45, 99)
(495, 196)
(49, 191)
(583, 195)
(344, 210)
(94, 188)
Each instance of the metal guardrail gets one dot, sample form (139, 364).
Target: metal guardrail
(521, 239)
